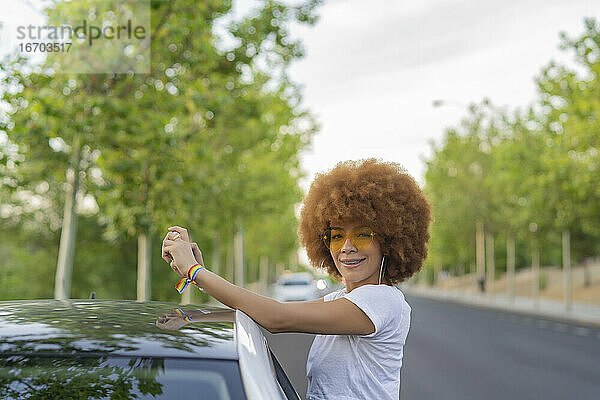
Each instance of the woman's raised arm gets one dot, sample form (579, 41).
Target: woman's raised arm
(341, 316)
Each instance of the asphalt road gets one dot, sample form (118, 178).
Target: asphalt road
(457, 352)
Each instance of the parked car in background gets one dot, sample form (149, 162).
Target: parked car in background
(105, 349)
(298, 286)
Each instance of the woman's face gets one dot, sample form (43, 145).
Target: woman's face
(358, 267)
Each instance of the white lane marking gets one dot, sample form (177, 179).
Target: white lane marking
(580, 331)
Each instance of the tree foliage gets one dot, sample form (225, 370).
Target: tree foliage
(209, 139)
(529, 173)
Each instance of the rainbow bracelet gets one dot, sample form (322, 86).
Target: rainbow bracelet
(182, 314)
(185, 282)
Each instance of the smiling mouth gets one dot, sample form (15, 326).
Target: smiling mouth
(352, 263)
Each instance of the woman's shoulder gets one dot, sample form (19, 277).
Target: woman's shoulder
(380, 290)
(336, 294)
(384, 305)
(370, 291)
(385, 295)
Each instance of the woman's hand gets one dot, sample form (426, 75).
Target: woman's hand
(197, 254)
(172, 321)
(165, 255)
(180, 266)
(177, 251)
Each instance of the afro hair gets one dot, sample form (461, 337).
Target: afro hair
(380, 195)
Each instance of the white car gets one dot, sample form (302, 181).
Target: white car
(295, 287)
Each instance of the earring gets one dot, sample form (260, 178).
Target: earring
(381, 269)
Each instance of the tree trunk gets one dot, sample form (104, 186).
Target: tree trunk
(437, 271)
(587, 274)
(294, 261)
(186, 296)
(510, 266)
(66, 251)
(229, 262)
(239, 257)
(491, 265)
(263, 275)
(480, 255)
(145, 240)
(535, 269)
(216, 256)
(568, 276)
(144, 267)
(279, 267)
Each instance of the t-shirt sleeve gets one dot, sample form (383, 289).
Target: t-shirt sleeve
(332, 296)
(380, 304)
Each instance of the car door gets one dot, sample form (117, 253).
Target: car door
(282, 379)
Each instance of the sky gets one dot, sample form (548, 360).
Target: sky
(373, 68)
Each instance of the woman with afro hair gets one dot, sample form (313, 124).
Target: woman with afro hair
(366, 223)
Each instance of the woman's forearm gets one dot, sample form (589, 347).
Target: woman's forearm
(265, 311)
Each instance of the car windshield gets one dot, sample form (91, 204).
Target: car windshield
(23, 376)
(295, 283)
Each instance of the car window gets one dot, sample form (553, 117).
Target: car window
(295, 283)
(24, 376)
(284, 381)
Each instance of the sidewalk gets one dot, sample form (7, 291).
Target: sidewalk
(580, 313)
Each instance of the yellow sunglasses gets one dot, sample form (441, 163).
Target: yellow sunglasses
(361, 238)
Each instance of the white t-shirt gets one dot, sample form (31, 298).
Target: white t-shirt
(362, 367)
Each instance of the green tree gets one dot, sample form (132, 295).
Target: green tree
(527, 175)
(459, 185)
(208, 139)
(570, 100)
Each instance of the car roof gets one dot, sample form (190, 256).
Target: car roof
(300, 276)
(112, 328)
